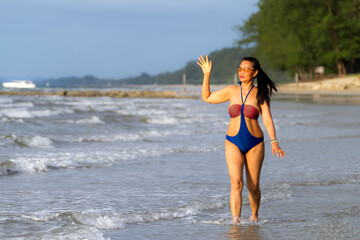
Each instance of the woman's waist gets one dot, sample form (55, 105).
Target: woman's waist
(252, 125)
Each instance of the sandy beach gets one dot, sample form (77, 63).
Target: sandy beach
(349, 85)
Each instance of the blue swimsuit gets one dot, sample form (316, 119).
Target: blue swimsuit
(244, 140)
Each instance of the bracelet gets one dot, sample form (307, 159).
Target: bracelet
(274, 141)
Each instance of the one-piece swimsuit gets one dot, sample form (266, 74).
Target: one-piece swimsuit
(244, 140)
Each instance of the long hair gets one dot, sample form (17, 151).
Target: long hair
(265, 85)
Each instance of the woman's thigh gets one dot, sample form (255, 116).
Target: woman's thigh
(254, 161)
(235, 161)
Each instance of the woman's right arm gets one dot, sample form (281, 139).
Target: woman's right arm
(207, 96)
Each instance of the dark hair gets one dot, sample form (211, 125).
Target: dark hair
(265, 85)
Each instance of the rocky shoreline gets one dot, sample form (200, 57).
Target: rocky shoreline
(111, 93)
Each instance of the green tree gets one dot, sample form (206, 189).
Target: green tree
(301, 34)
(338, 28)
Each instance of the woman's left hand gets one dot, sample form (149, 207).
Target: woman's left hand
(277, 149)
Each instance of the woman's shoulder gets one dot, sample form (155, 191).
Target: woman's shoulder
(232, 87)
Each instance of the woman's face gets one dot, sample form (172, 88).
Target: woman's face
(246, 71)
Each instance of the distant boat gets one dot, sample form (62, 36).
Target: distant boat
(19, 84)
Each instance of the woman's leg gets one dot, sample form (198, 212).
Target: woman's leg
(235, 161)
(254, 160)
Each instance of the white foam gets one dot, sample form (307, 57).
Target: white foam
(91, 120)
(73, 231)
(16, 105)
(119, 221)
(34, 142)
(55, 160)
(16, 113)
(163, 120)
(22, 112)
(27, 164)
(100, 138)
(99, 221)
(122, 137)
(42, 216)
(48, 112)
(9, 120)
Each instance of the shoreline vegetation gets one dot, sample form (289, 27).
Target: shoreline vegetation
(349, 85)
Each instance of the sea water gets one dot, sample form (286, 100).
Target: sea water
(105, 168)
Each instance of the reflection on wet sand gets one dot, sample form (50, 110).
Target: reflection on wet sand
(246, 232)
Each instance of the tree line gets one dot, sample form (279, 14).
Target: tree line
(299, 35)
(225, 64)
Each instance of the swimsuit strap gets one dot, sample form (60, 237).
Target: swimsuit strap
(243, 102)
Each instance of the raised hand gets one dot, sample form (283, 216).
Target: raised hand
(205, 64)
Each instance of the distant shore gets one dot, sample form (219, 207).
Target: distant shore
(342, 86)
(105, 93)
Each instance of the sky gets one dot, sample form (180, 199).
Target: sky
(113, 38)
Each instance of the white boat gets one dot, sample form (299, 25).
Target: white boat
(19, 84)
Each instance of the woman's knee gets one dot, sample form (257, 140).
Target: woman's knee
(253, 187)
(237, 184)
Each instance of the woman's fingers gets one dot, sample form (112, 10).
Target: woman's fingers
(282, 152)
(205, 64)
(279, 152)
(202, 60)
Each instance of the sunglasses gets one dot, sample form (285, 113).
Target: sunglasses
(245, 69)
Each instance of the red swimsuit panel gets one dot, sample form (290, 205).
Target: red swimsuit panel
(249, 111)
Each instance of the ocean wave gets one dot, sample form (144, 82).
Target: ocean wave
(350, 179)
(9, 105)
(122, 137)
(54, 161)
(62, 231)
(51, 112)
(338, 225)
(14, 113)
(60, 160)
(91, 120)
(11, 120)
(6, 99)
(277, 192)
(111, 221)
(163, 120)
(33, 142)
(348, 212)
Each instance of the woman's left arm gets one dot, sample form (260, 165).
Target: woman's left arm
(270, 128)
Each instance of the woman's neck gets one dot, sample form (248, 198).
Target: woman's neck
(247, 85)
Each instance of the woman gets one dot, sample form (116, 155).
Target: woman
(244, 144)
